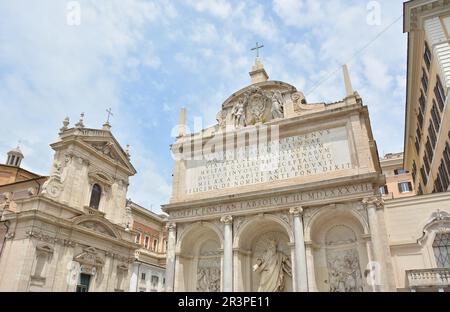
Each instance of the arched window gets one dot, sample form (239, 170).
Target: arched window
(96, 194)
(441, 248)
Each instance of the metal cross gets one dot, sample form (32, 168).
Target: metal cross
(257, 49)
(109, 111)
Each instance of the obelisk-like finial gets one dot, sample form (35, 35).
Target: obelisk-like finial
(348, 84)
(182, 122)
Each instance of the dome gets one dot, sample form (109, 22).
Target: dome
(15, 157)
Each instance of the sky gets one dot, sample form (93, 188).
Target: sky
(147, 59)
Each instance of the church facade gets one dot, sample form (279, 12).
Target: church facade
(280, 195)
(74, 231)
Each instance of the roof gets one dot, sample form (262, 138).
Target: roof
(158, 217)
(19, 169)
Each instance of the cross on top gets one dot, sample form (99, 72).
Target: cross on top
(109, 111)
(257, 47)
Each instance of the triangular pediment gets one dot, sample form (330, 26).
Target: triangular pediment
(99, 142)
(109, 149)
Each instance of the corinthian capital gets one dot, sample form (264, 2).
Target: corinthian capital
(226, 219)
(296, 211)
(171, 226)
(377, 201)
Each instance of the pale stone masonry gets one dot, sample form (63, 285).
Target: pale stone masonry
(317, 200)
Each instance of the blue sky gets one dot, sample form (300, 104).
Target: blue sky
(146, 59)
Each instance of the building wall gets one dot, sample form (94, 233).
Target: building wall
(425, 27)
(391, 164)
(147, 278)
(406, 219)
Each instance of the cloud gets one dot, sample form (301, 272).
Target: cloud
(217, 8)
(204, 33)
(146, 59)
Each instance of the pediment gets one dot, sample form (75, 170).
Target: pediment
(109, 149)
(90, 257)
(97, 225)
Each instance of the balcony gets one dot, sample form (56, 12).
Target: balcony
(438, 278)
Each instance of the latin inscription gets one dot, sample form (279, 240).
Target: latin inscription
(313, 153)
(274, 201)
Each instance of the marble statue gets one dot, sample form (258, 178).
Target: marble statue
(273, 266)
(277, 105)
(238, 113)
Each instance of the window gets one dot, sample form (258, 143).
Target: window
(146, 241)
(424, 178)
(404, 187)
(399, 171)
(96, 194)
(421, 112)
(426, 163)
(440, 94)
(414, 170)
(138, 238)
(438, 186)
(424, 80)
(143, 277)
(429, 154)
(155, 245)
(441, 248)
(432, 135)
(443, 176)
(417, 144)
(447, 157)
(83, 282)
(436, 116)
(427, 56)
(155, 280)
(419, 190)
(384, 190)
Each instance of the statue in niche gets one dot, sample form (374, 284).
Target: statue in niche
(272, 266)
(238, 113)
(277, 105)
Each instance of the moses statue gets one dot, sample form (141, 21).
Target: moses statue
(273, 268)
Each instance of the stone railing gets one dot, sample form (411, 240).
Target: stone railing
(437, 278)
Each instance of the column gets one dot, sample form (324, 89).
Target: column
(170, 265)
(373, 279)
(374, 206)
(227, 253)
(300, 255)
(310, 267)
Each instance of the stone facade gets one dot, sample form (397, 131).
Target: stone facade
(312, 204)
(70, 231)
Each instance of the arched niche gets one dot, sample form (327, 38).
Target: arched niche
(199, 259)
(339, 250)
(263, 237)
